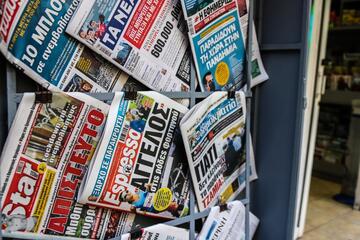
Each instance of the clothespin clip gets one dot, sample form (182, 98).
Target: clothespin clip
(223, 207)
(43, 97)
(248, 94)
(130, 93)
(136, 233)
(231, 94)
(186, 28)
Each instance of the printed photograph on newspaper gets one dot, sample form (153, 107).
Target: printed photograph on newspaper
(44, 160)
(214, 136)
(218, 36)
(139, 166)
(33, 38)
(146, 39)
(117, 223)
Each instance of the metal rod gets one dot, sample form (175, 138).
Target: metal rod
(248, 115)
(192, 195)
(109, 96)
(11, 106)
(194, 216)
(192, 213)
(193, 93)
(10, 91)
(281, 47)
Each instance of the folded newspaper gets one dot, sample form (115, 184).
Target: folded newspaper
(214, 136)
(43, 163)
(33, 38)
(145, 39)
(139, 164)
(218, 35)
(220, 224)
(159, 232)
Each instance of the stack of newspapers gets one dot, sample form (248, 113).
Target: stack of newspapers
(122, 43)
(75, 167)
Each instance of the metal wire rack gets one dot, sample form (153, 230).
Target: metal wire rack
(14, 99)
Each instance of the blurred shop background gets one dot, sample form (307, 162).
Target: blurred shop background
(329, 192)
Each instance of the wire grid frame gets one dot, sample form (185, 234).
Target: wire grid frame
(15, 98)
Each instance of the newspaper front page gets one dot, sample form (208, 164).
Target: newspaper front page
(218, 35)
(140, 166)
(33, 38)
(43, 162)
(159, 232)
(214, 136)
(219, 225)
(145, 39)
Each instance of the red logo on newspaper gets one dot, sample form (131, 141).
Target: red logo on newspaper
(121, 168)
(213, 16)
(24, 187)
(213, 192)
(142, 21)
(74, 172)
(10, 9)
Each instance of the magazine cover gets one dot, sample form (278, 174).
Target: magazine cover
(219, 225)
(213, 132)
(139, 166)
(45, 157)
(218, 35)
(145, 39)
(33, 38)
(159, 232)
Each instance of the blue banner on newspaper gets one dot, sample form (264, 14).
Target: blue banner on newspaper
(220, 54)
(39, 36)
(117, 23)
(224, 109)
(99, 25)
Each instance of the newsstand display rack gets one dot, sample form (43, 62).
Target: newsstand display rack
(14, 99)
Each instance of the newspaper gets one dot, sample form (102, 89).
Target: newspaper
(139, 165)
(43, 163)
(118, 223)
(159, 232)
(258, 72)
(145, 39)
(218, 35)
(33, 38)
(219, 224)
(214, 136)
